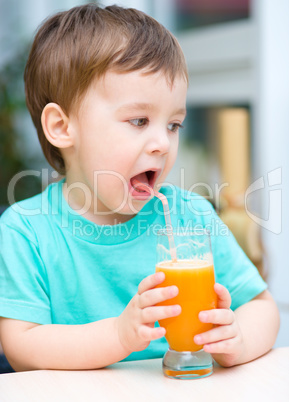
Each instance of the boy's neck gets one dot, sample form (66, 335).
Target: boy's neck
(75, 198)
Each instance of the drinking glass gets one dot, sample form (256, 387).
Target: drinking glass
(193, 274)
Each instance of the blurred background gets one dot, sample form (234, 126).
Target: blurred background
(234, 148)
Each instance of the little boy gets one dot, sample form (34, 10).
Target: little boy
(106, 89)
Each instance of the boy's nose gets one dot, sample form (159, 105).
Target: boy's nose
(159, 143)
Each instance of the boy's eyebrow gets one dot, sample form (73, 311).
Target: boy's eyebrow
(136, 106)
(145, 106)
(183, 111)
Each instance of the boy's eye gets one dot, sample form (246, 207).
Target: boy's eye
(174, 127)
(139, 122)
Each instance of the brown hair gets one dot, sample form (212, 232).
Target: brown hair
(74, 47)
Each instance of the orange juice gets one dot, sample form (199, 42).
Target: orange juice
(195, 281)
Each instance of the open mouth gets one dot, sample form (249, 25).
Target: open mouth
(148, 177)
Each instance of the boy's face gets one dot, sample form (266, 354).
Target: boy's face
(127, 127)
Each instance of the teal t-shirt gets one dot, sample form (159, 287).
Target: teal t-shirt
(58, 267)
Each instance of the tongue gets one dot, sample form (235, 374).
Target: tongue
(139, 178)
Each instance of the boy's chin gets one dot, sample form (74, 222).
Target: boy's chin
(134, 207)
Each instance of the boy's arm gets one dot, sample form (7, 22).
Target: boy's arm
(242, 335)
(259, 321)
(30, 346)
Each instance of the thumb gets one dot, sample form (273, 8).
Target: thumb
(224, 297)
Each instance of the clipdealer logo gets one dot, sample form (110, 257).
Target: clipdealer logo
(273, 223)
(272, 185)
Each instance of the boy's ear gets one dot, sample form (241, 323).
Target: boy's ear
(55, 126)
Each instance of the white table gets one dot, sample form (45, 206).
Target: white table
(265, 379)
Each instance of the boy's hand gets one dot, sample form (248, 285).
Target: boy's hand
(225, 341)
(136, 324)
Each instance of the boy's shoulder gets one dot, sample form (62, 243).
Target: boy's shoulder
(30, 212)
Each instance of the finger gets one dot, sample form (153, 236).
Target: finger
(150, 282)
(154, 296)
(153, 314)
(217, 316)
(225, 346)
(224, 297)
(216, 335)
(149, 334)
